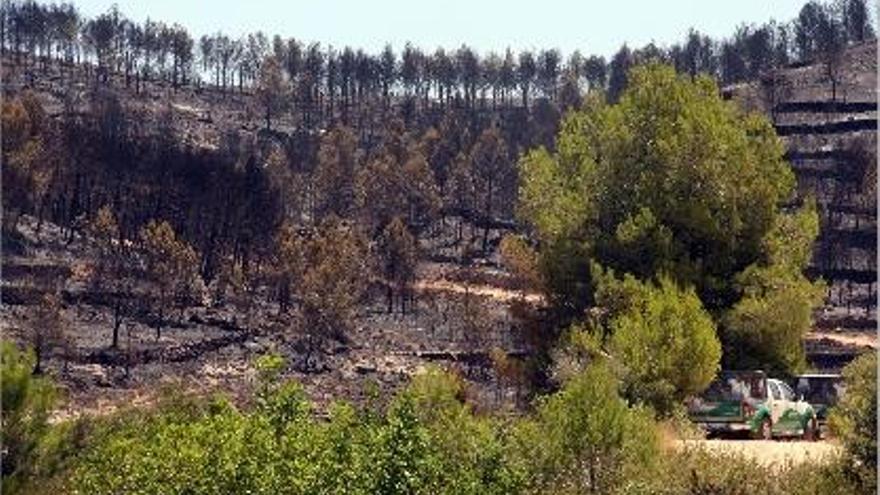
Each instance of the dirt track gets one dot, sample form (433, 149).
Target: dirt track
(770, 452)
(496, 293)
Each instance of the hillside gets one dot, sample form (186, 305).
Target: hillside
(212, 346)
(832, 144)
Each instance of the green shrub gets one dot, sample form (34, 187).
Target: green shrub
(27, 401)
(666, 343)
(585, 438)
(854, 420)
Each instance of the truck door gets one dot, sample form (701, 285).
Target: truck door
(777, 405)
(793, 409)
(796, 409)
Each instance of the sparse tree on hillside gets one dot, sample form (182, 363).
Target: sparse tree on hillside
(420, 188)
(569, 95)
(575, 64)
(332, 82)
(399, 255)
(781, 34)
(810, 27)
(310, 83)
(347, 85)
(289, 262)
(23, 155)
(443, 70)
(830, 46)
(335, 174)
(171, 268)
(397, 182)
(467, 63)
(492, 172)
(507, 76)
(100, 34)
(387, 72)
(856, 20)
(46, 329)
(548, 72)
(733, 65)
(181, 45)
(437, 146)
(595, 73)
(698, 54)
(522, 262)
(113, 267)
(271, 89)
(226, 53)
(618, 71)
(759, 51)
(206, 52)
(461, 191)
(333, 280)
(526, 72)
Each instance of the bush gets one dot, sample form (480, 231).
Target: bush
(471, 451)
(697, 471)
(666, 344)
(854, 420)
(27, 401)
(766, 332)
(585, 438)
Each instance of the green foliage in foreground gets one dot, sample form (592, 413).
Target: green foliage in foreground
(583, 439)
(854, 421)
(26, 402)
(427, 441)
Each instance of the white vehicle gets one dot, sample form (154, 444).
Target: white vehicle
(748, 401)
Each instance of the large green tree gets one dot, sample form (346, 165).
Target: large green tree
(671, 180)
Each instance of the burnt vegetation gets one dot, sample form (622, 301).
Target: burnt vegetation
(285, 169)
(219, 207)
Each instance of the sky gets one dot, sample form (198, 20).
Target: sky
(592, 27)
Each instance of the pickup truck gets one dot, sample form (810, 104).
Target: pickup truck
(748, 401)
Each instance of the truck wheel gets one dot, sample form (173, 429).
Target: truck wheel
(766, 431)
(810, 430)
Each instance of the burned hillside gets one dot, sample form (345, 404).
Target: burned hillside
(230, 200)
(827, 115)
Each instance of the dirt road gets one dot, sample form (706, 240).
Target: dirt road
(497, 293)
(770, 452)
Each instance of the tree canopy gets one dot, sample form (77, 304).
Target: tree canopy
(671, 181)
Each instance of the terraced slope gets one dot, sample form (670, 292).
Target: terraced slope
(831, 138)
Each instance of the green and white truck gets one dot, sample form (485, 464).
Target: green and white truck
(748, 401)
